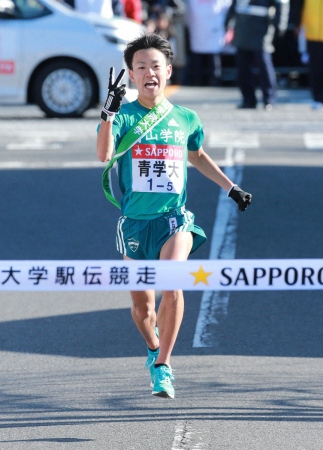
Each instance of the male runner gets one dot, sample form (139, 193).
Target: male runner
(161, 139)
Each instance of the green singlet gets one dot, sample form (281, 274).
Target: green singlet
(153, 173)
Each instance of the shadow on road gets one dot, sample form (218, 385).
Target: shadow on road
(267, 325)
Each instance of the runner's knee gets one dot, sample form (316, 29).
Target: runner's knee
(172, 296)
(142, 311)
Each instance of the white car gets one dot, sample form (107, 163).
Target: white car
(59, 59)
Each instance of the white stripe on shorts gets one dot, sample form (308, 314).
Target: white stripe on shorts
(188, 221)
(121, 245)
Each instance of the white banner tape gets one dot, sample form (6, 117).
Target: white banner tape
(201, 275)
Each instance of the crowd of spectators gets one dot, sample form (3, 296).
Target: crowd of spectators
(206, 36)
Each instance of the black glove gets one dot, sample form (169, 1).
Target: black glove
(241, 197)
(115, 95)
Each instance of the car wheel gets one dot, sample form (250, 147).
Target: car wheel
(63, 89)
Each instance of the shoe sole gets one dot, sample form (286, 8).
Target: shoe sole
(162, 394)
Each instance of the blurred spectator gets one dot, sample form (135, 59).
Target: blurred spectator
(133, 9)
(251, 29)
(310, 17)
(163, 27)
(158, 19)
(178, 9)
(289, 57)
(166, 18)
(206, 31)
(151, 10)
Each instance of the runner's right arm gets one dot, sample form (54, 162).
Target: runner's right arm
(105, 140)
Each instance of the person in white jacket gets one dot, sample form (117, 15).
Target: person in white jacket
(205, 23)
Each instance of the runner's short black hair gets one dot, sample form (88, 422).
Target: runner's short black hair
(146, 41)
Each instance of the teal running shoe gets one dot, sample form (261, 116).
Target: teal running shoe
(163, 377)
(152, 358)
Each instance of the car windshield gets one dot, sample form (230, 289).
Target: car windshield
(30, 9)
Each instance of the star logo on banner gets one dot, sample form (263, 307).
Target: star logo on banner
(138, 150)
(201, 276)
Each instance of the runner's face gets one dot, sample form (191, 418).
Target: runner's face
(150, 73)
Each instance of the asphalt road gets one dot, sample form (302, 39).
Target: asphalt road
(71, 372)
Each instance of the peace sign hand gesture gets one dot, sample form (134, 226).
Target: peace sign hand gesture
(115, 95)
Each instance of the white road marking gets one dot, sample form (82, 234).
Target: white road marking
(313, 141)
(35, 144)
(233, 139)
(49, 139)
(26, 131)
(223, 246)
(30, 140)
(55, 139)
(50, 165)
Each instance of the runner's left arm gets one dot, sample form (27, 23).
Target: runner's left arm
(211, 170)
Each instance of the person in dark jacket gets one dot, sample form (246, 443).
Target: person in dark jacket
(309, 15)
(251, 27)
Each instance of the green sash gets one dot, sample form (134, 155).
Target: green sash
(135, 134)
